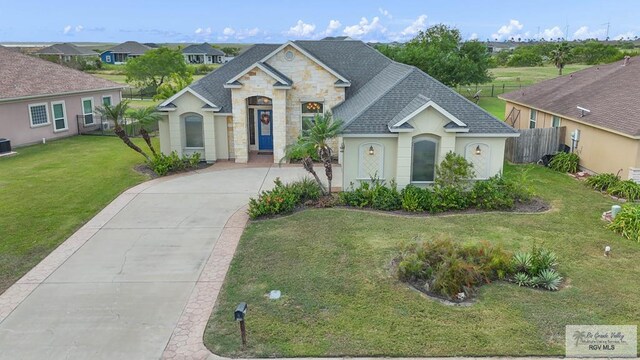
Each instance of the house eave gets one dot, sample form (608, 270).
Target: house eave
(489, 135)
(29, 97)
(369, 135)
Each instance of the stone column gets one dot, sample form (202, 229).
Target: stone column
(279, 124)
(240, 136)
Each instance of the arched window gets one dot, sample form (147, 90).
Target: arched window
(370, 161)
(424, 153)
(193, 131)
(479, 155)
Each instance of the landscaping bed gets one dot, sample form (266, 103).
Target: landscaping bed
(341, 295)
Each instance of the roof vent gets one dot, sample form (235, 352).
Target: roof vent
(627, 58)
(583, 111)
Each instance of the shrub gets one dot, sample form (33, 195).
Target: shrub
(298, 153)
(602, 182)
(493, 194)
(522, 279)
(447, 198)
(163, 164)
(454, 170)
(627, 222)
(565, 162)
(536, 269)
(415, 199)
(627, 189)
(522, 262)
(447, 268)
(283, 198)
(374, 194)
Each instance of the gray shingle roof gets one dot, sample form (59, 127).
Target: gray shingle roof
(66, 49)
(211, 87)
(380, 90)
(287, 81)
(202, 49)
(130, 47)
(415, 104)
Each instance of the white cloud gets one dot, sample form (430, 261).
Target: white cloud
(473, 36)
(66, 29)
(416, 26)
(549, 34)
(333, 26)
(79, 28)
(241, 34)
(509, 30)
(584, 33)
(364, 27)
(624, 36)
(385, 13)
(302, 30)
(203, 31)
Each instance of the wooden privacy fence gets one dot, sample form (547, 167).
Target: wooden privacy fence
(534, 144)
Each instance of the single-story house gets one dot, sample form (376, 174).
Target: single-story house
(599, 105)
(119, 54)
(202, 54)
(398, 121)
(44, 100)
(66, 52)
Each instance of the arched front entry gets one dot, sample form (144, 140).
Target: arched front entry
(260, 123)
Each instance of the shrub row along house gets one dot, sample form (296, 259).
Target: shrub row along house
(599, 107)
(43, 100)
(398, 121)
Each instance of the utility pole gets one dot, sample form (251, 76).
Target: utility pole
(608, 24)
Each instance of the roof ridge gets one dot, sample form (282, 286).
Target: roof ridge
(373, 101)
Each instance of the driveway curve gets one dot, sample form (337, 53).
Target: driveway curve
(122, 286)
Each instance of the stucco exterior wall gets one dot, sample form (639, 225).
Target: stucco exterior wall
(311, 82)
(352, 157)
(428, 122)
(15, 123)
(600, 150)
(489, 162)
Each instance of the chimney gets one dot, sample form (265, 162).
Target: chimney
(627, 58)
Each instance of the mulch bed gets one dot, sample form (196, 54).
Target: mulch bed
(146, 170)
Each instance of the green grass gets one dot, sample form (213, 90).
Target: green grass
(493, 105)
(48, 191)
(530, 75)
(340, 297)
(121, 79)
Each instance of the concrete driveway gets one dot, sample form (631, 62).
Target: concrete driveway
(120, 293)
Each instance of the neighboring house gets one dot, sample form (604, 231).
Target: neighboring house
(119, 54)
(202, 54)
(601, 102)
(494, 47)
(66, 52)
(43, 100)
(398, 121)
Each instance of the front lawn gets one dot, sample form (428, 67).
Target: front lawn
(340, 297)
(48, 191)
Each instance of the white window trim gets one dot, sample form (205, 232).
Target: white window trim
(46, 109)
(64, 116)
(437, 157)
(184, 138)
(380, 173)
(304, 115)
(84, 119)
(109, 97)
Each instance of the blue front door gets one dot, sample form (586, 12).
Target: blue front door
(265, 130)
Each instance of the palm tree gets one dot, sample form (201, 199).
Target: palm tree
(559, 56)
(316, 138)
(116, 114)
(145, 117)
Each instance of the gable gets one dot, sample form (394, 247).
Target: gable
(300, 68)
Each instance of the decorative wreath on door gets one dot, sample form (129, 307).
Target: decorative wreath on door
(265, 118)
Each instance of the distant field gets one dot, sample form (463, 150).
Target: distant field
(121, 78)
(529, 75)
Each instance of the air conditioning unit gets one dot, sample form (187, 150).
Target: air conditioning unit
(106, 126)
(5, 146)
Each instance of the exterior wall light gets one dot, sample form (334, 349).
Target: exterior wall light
(478, 150)
(371, 151)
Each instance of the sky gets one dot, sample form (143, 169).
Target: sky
(250, 21)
